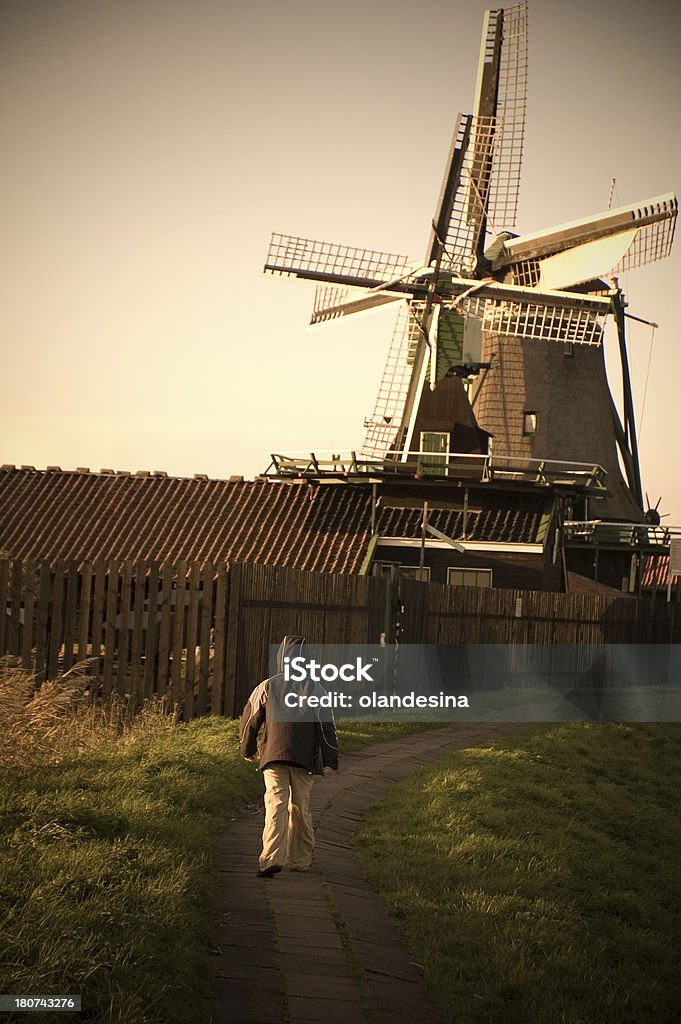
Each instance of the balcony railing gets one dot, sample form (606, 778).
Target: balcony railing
(455, 466)
(637, 535)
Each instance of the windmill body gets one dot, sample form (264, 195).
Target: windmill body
(498, 336)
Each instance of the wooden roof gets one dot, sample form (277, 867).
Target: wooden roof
(497, 517)
(578, 584)
(656, 574)
(87, 516)
(84, 516)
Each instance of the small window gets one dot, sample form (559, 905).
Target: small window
(569, 349)
(469, 577)
(530, 423)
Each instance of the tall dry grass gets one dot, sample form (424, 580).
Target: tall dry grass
(47, 724)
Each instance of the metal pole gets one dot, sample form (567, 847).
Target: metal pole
(424, 523)
(627, 398)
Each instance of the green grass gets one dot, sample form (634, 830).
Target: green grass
(538, 879)
(108, 836)
(105, 873)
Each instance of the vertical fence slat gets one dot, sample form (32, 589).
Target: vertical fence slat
(4, 581)
(164, 629)
(42, 624)
(230, 631)
(14, 630)
(178, 631)
(84, 610)
(137, 647)
(221, 596)
(110, 628)
(191, 640)
(56, 620)
(204, 638)
(98, 617)
(29, 615)
(124, 630)
(70, 627)
(151, 645)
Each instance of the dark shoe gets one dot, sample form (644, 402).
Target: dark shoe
(267, 872)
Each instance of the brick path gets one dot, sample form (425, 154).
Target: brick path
(319, 947)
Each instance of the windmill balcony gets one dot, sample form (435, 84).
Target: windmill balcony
(641, 536)
(450, 467)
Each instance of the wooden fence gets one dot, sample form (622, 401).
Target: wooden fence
(436, 614)
(199, 634)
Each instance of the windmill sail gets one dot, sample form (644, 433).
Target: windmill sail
(331, 303)
(385, 426)
(462, 212)
(327, 261)
(510, 112)
(647, 227)
(540, 315)
(482, 177)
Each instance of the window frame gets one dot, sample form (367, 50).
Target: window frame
(471, 570)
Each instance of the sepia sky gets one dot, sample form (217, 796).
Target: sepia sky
(151, 146)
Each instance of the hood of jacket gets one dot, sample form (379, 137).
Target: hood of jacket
(292, 646)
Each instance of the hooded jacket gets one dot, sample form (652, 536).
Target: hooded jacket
(309, 745)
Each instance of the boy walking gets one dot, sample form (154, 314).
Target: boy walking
(291, 754)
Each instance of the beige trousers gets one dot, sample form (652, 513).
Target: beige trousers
(288, 836)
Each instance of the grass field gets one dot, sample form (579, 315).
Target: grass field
(108, 834)
(538, 880)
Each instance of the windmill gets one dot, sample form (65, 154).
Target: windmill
(519, 318)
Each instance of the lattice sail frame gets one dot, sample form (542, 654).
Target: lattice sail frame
(489, 143)
(328, 297)
(511, 114)
(653, 241)
(292, 256)
(383, 427)
(540, 320)
(475, 140)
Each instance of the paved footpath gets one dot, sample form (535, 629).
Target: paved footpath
(319, 947)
